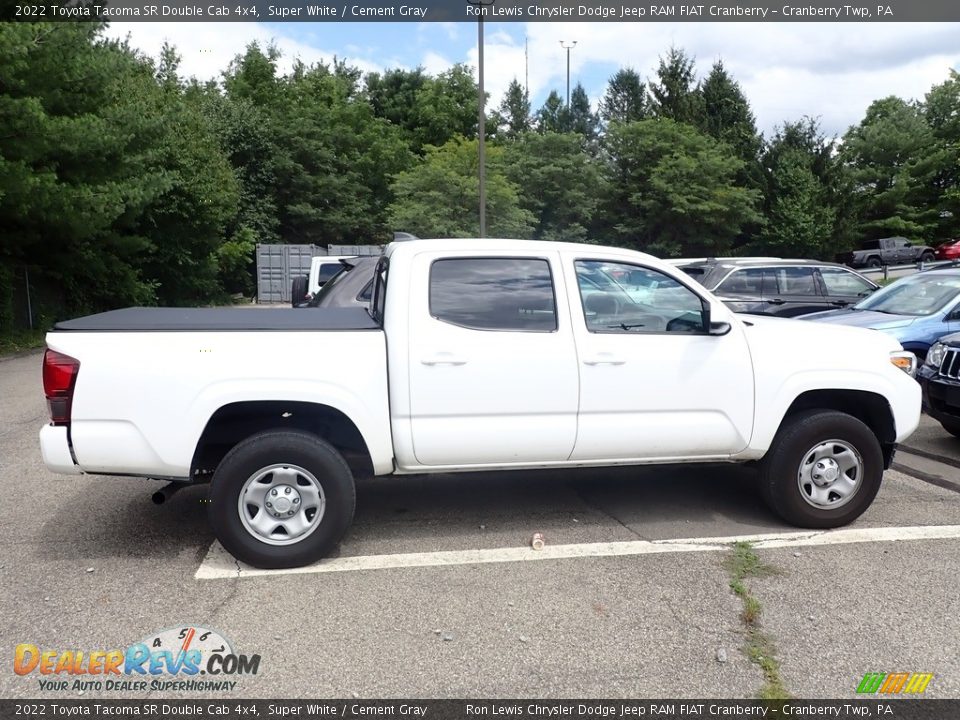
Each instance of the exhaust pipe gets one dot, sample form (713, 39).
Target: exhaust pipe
(166, 492)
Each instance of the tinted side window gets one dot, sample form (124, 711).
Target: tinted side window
(622, 298)
(327, 271)
(796, 281)
(844, 282)
(494, 293)
(748, 282)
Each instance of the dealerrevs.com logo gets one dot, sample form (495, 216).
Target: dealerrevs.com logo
(183, 658)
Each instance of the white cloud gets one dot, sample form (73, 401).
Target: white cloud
(787, 70)
(435, 63)
(206, 49)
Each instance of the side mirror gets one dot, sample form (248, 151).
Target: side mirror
(719, 328)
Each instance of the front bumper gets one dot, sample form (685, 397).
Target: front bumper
(55, 449)
(941, 396)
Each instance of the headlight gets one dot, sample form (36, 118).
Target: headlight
(935, 354)
(905, 360)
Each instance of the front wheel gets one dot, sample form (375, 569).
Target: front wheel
(823, 469)
(281, 499)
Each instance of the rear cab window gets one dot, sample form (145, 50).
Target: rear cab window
(506, 294)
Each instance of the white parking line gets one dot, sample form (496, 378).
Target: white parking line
(219, 564)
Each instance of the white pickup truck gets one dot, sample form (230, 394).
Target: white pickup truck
(474, 355)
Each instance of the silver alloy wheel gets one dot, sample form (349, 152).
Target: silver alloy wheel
(281, 504)
(830, 474)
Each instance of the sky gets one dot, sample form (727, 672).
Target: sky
(829, 71)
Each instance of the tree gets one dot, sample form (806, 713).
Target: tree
(393, 96)
(446, 106)
(440, 196)
(894, 159)
(558, 182)
(625, 99)
(580, 118)
(942, 112)
(673, 190)
(799, 218)
(727, 115)
(552, 116)
(676, 95)
(513, 115)
(805, 185)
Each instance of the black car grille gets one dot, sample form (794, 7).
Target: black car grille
(950, 367)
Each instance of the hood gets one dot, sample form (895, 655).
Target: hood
(794, 332)
(862, 318)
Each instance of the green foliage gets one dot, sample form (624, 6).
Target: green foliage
(446, 106)
(552, 117)
(440, 196)
(625, 100)
(676, 96)
(894, 158)
(727, 115)
(807, 194)
(673, 190)
(942, 112)
(580, 118)
(513, 115)
(559, 183)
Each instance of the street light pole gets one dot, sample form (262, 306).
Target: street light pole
(568, 48)
(481, 116)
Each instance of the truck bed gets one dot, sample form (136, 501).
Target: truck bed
(140, 319)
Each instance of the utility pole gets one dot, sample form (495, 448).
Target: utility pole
(481, 116)
(568, 47)
(526, 65)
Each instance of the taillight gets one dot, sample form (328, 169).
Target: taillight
(59, 377)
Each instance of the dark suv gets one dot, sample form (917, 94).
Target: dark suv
(785, 288)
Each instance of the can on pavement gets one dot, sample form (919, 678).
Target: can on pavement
(536, 542)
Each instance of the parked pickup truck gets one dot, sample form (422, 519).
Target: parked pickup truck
(886, 251)
(474, 355)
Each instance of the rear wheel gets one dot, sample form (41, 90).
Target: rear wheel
(298, 292)
(823, 469)
(927, 257)
(951, 427)
(281, 499)
(874, 262)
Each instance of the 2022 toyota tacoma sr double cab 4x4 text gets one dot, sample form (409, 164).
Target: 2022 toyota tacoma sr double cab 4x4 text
(474, 355)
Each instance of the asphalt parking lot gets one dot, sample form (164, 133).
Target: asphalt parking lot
(90, 563)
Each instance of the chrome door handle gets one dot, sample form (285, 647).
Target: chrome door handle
(604, 359)
(443, 358)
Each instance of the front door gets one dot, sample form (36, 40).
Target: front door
(653, 382)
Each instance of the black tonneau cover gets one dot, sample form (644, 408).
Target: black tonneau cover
(221, 319)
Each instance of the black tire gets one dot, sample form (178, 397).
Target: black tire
(874, 262)
(927, 257)
(951, 427)
(298, 292)
(281, 447)
(797, 437)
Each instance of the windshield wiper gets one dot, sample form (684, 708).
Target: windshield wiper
(624, 326)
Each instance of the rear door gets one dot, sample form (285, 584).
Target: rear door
(492, 363)
(797, 292)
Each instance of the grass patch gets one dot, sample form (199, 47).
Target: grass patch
(743, 563)
(21, 340)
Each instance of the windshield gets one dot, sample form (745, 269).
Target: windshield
(914, 295)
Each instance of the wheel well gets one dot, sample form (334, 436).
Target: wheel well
(870, 408)
(238, 421)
